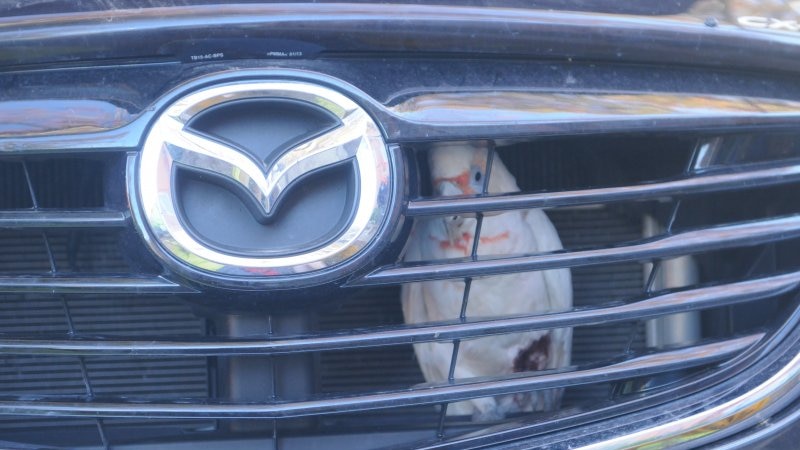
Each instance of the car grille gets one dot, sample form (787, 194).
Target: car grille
(663, 229)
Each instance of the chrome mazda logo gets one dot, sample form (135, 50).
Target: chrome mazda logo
(173, 147)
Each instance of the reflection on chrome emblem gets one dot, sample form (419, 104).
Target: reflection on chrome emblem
(171, 143)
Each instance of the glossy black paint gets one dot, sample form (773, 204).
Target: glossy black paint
(187, 33)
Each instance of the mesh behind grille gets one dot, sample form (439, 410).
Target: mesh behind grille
(77, 184)
(365, 369)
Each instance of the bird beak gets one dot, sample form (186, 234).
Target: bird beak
(447, 189)
(452, 225)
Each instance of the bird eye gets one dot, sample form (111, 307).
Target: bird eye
(478, 176)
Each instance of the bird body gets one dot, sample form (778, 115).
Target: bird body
(456, 169)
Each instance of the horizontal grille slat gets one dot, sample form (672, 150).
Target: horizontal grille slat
(686, 186)
(62, 219)
(503, 114)
(421, 395)
(668, 303)
(62, 284)
(695, 241)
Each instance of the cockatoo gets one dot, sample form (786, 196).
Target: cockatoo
(457, 169)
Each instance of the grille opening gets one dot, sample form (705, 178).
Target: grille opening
(582, 163)
(56, 218)
(24, 252)
(349, 370)
(33, 374)
(14, 194)
(739, 206)
(756, 261)
(747, 317)
(68, 182)
(72, 251)
(32, 314)
(740, 150)
(153, 378)
(743, 263)
(53, 184)
(85, 251)
(581, 228)
(369, 307)
(368, 369)
(145, 316)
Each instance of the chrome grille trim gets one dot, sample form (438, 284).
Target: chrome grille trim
(63, 284)
(669, 303)
(407, 122)
(695, 241)
(118, 140)
(62, 219)
(56, 117)
(421, 395)
(454, 115)
(725, 419)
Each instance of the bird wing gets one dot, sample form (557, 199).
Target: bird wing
(415, 308)
(557, 281)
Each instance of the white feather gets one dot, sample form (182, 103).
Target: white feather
(514, 232)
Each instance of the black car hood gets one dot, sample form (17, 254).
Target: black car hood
(643, 7)
(732, 33)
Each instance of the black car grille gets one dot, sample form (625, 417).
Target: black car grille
(98, 334)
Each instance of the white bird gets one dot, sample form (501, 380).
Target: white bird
(457, 169)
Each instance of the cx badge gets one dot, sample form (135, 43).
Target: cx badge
(248, 184)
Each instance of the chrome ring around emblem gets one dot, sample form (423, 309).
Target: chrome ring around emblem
(169, 142)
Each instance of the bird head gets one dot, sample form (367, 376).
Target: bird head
(458, 169)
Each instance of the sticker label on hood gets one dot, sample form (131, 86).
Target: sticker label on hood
(768, 23)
